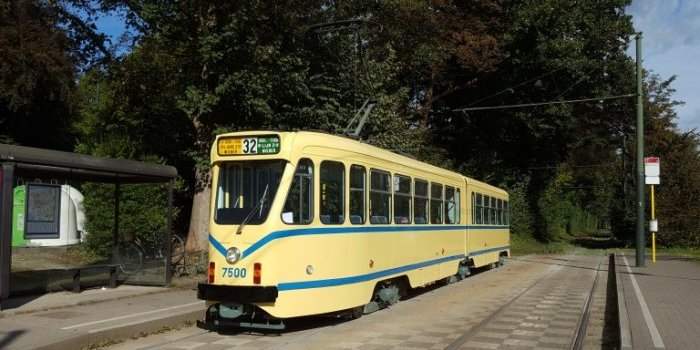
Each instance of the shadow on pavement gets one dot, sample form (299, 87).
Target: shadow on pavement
(292, 325)
(15, 302)
(10, 337)
(598, 242)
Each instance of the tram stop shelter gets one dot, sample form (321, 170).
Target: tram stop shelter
(20, 166)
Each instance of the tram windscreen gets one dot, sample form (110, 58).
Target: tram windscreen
(246, 190)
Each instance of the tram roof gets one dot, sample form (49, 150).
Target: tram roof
(40, 162)
(322, 139)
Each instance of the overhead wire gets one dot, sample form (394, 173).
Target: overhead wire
(535, 104)
(516, 86)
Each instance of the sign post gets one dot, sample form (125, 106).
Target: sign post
(652, 172)
(640, 239)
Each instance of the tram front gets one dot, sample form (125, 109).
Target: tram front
(249, 170)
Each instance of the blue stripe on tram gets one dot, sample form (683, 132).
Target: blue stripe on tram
(286, 286)
(217, 245)
(346, 230)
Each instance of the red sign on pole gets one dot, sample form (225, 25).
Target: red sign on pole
(652, 170)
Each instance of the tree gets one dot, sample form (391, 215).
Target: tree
(677, 196)
(42, 47)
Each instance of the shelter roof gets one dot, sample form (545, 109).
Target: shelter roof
(41, 162)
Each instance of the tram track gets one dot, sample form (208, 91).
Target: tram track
(582, 327)
(536, 302)
(466, 336)
(540, 289)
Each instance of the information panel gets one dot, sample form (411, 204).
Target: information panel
(232, 146)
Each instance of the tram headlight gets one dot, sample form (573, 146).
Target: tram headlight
(232, 255)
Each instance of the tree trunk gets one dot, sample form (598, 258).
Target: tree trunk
(197, 235)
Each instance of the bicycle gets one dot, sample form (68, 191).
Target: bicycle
(130, 255)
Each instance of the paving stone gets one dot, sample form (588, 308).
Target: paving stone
(479, 345)
(495, 335)
(544, 317)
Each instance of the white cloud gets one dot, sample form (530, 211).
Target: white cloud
(671, 46)
(666, 23)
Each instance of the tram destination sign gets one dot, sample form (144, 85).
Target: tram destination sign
(233, 146)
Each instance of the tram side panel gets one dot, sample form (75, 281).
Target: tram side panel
(488, 237)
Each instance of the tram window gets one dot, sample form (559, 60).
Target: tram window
(458, 207)
(379, 197)
(435, 203)
(245, 190)
(478, 210)
(473, 207)
(358, 187)
(500, 212)
(332, 192)
(487, 210)
(402, 199)
(506, 212)
(493, 211)
(420, 202)
(497, 215)
(298, 209)
(450, 206)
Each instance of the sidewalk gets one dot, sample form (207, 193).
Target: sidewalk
(73, 321)
(662, 302)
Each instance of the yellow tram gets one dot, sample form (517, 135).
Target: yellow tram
(306, 223)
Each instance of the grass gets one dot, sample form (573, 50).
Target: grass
(685, 252)
(523, 245)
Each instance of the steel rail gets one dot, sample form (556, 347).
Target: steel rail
(582, 325)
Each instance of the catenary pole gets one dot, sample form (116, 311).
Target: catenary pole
(640, 241)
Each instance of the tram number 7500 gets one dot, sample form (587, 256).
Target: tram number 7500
(234, 272)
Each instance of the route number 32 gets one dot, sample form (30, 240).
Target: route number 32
(234, 272)
(250, 146)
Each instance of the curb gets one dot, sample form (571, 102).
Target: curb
(12, 312)
(120, 333)
(625, 340)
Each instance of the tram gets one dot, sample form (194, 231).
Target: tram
(307, 223)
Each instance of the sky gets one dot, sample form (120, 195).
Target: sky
(670, 46)
(113, 24)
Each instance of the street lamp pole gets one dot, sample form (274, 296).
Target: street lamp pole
(640, 239)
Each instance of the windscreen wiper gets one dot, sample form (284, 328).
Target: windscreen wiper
(252, 211)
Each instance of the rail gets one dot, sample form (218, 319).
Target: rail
(582, 325)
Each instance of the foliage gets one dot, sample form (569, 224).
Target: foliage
(521, 214)
(42, 47)
(200, 68)
(525, 244)
(142, 213)
(677, 196)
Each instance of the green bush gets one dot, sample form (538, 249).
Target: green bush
(562, 214)
(522, 219)
(143, 211)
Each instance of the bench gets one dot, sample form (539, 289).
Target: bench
(113, 273)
